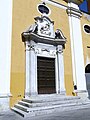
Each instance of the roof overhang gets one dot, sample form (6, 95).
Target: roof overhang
(74, 1)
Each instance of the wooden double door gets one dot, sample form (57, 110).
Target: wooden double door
(46, 75)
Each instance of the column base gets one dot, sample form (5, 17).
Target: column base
(4, 102)
(28, 94)
(62, 92)
(82, 94)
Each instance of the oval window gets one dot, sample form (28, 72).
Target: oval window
(87, 29)
(43, 9)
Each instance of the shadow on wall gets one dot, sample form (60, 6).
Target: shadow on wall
(87, 74)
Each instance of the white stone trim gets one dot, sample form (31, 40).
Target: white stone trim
(5, 48)
(73, 11)
(36, 74)
(56, 76)
(27, 66)
(61, 84)
(5, 95)
(77, 50)
(33, 68)
(73, 5)
(34, 50)
(72, 50)
(56, 4)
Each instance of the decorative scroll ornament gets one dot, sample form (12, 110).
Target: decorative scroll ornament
(59, 49)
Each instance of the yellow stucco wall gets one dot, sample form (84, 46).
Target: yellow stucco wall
(86, 39)
(23, 13)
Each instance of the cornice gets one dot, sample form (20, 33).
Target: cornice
(74, 1)
(74, 12)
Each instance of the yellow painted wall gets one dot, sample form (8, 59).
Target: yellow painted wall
(23, 13)
(86, 39)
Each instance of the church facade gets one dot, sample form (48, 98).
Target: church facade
(36, 60)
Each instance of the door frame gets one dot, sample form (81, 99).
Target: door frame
(45, 87)
(56, 72)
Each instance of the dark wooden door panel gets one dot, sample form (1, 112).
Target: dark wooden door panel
(46, 75)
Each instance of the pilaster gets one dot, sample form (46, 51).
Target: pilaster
(61, 85)
(27, 54)
(76, 47)
(5, 52)
(31, 76)
(33, 69)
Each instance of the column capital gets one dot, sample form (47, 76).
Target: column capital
(59, 49)
(27, 45)
(32, 47)
(71, 11)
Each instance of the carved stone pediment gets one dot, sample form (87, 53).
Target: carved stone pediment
(42, 31)
(45, 26)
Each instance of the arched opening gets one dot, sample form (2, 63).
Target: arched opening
(87, 69)
(87, 74)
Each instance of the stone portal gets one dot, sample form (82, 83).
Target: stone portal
(44, 56)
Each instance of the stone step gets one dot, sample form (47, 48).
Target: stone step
(30, 105)
(21, 107)
(50, 109)
(20, 112)
(57, 108)
(48, 99)
(39, 105)
(25, 104)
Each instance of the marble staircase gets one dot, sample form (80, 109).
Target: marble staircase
(45, 104)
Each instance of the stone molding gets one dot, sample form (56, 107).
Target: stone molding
(74, 12)
(5, 95)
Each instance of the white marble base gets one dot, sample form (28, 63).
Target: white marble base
(4, 104)
(62, 92)
(82, 94)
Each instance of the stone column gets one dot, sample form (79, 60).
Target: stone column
(27, 88)
(5, 53)
(31, 70)
(60, 62)
(76, 46)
